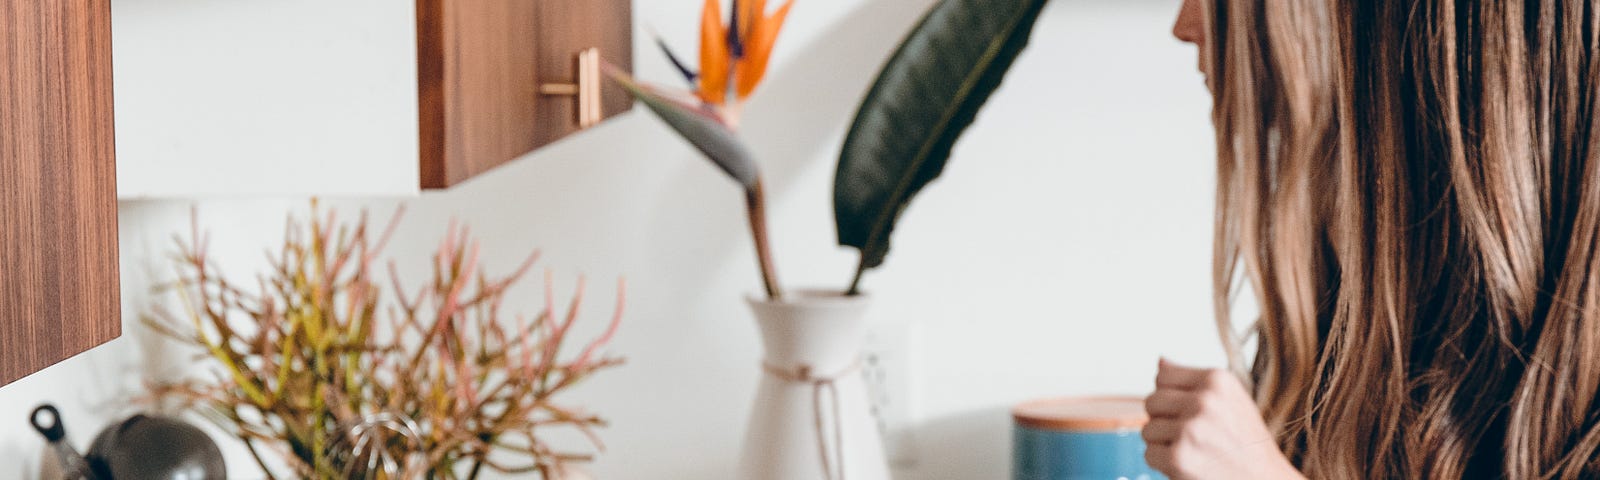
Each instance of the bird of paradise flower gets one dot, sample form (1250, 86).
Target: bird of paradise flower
(733, 60)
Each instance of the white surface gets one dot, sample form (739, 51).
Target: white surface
(889, 370)
(246, 97)
(1066, 248)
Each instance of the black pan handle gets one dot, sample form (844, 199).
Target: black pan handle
(52, 429)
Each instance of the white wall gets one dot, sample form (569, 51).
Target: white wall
(1066, 247)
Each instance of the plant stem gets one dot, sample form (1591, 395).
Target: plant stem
(755, 205)
(251, 446)
(855, 283)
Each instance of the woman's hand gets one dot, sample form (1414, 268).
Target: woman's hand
(1204, 425)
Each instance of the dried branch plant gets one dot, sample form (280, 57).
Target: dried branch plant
(347, 376)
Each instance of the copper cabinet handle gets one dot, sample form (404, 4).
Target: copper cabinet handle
(585, 89)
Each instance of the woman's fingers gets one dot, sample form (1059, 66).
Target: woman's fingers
(1160, 457)
(1167, 402)
(1172, 375)
(1162, 431)
(1203, 424)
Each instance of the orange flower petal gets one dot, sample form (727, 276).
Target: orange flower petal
(750, 12)
(758, 50)
(713, 54)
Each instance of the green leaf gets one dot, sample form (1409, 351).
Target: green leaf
(924, 98)
(702, 129)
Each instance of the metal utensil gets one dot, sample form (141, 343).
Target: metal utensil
(47, 421)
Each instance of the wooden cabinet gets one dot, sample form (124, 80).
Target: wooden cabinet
(58, 206)
(352, 97)
(497, 79)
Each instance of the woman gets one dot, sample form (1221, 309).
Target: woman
(1411, 188)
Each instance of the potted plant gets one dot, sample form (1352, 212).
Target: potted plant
(344, 374)
(811, 418)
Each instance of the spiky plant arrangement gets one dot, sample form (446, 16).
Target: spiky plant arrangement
(733, 61)
(346, 375)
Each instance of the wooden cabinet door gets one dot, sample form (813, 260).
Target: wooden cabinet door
(566, 29)
(490, 75)
(475, 82)
(58, 209)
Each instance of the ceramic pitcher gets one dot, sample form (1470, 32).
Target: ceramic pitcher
(812, 419)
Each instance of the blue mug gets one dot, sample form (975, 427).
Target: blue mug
(1084, 438)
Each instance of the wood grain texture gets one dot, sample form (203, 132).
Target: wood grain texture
(567, 27)
(479, 66)
(58, 210)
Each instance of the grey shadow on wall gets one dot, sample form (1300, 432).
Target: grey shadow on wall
(966, 445)
(21, 462)
(161, 359)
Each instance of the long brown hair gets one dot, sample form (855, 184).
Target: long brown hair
(1412, 190)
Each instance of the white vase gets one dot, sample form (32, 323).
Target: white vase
(811, 419)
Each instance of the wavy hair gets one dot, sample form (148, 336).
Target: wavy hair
(1411, 188)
